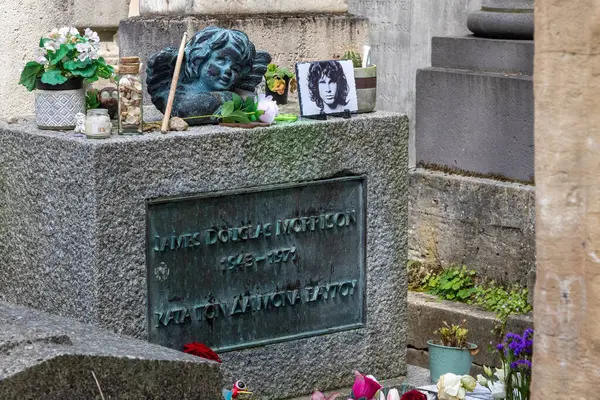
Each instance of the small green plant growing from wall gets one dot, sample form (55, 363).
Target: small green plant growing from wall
(462, 284)
(502, 301)
(452, 283)
(354, 57)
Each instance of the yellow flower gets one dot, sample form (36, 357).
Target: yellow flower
(278, 86)
(293, 85)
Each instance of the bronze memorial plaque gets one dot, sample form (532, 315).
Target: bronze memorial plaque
(257, 266)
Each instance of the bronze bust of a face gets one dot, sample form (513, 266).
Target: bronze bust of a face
(217, 63)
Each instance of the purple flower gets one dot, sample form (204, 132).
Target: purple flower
(519, 363)
(500, 347)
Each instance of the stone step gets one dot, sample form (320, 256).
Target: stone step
(426, 313)
(475, 121)
(470, 52)
(49, 357)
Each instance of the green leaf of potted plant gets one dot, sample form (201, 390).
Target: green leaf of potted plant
(366, 82)
(452, 353)
(64, 60)
(280, 81)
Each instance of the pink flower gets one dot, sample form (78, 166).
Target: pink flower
(364, 386)
(266, 104)
(321, 396)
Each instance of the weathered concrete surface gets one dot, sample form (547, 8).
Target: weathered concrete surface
(400, 38)
(476, 121)
(23, 22)
(485, 224)
(300, 37)
(48, 357)
(567, 133)
(76, 214)
(470, 52)
(185, 7)
(426, 314)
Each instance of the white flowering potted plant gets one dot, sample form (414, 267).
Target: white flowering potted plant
(64, 59)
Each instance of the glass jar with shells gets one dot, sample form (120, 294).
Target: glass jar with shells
(130, 96)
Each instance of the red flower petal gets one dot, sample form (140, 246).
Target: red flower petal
(413, 395)
(201, 350)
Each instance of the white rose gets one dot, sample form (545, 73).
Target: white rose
(266, 104)
(450, 387)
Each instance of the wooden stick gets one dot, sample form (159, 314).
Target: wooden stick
(98, 384)
(165, 123)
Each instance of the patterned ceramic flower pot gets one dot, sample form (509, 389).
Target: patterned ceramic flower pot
(57, 105)
(366, 88)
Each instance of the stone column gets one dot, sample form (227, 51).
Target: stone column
(503, 19)
(566, 360)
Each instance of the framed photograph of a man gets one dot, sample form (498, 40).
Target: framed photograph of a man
(326, 87)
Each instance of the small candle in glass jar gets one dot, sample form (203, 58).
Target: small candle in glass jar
(97, 124)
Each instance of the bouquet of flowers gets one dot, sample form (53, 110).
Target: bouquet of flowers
(455, 387)
(66, 54)
(366, 387)
(512, 382)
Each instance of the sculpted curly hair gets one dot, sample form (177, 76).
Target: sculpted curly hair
(200, 47)
(334, 71)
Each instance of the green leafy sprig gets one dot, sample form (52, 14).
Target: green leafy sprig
(236, 111)
(91, 99)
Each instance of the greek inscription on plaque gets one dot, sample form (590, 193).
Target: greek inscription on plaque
(257, 266)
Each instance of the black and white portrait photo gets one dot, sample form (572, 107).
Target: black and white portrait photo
(326, 87)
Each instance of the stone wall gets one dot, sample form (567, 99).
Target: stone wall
(186, 7)
(567, 143)
(62, 353)
(299, 37)
(484, 224)
(400, 36)
(23, 22)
